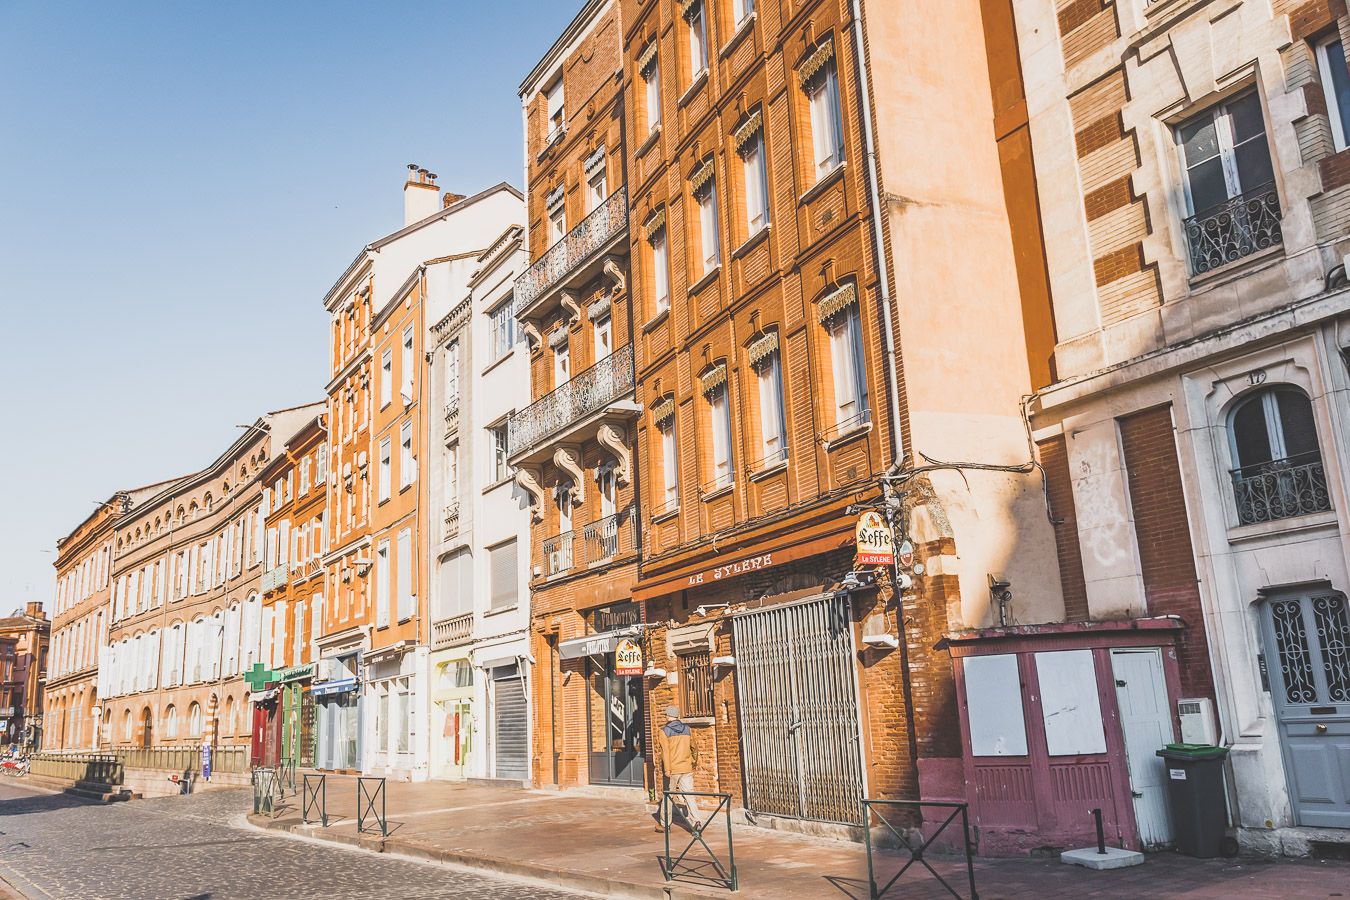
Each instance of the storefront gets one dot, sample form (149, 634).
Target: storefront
(396, 740)
(452, 718)
(297, 715)
(616, 711)
(508, 720)
(266, 743)
(337, 694)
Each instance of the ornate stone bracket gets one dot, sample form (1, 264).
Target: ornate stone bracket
(613, 439)
(528, 479)
(532, 335)
(569, 303)
(569, 460)
(615, 272)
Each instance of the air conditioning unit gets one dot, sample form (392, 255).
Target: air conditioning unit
(1197, 720)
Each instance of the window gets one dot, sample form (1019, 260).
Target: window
(827, 127)
(195, 720)
(407, 597)
(696, 685)
(846, 362)
(719, 414)
(652, 94)
(769, 379)
(710, 246)
(1279, 470)
(451, 362)
(1336, 87)
(553, 107)
(171, 722)
(1229, 183)
(740, 10)
(596, 192)
(502, 333)
(557, 223)
(321, 465)
(455, 596)
(605, 487)
(386, 378)
(562, 364)
(385, 475)
(660, 270)
(698, 40)
(407, 466)
(406, 365)
(503, 571)
(756, 184)
(562, 498)
(603, 331)
(382, 584)
(497, 440)
(452, 472)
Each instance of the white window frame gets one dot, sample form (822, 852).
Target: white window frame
(719, 415)
(661, 269)
(498, 443)
(1223, 134)
(755, 168)
(710, 244)
(697, 24)
(386, 377)
(1324, 72)
(385, 464)
(827, 125)
(851, 398)
(741, 10)
(502, 336)
(407, 463)
(407, 364)
(653, 96)
(555, 108)
(382, 584)
(597, 189)
(772, 427)
(602, 332)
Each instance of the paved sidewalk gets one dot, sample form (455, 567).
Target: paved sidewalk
(609, 847)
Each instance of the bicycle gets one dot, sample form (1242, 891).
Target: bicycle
(15, 766)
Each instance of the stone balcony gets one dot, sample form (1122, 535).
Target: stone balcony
(575, 411)
(575, 259)
(452, 631)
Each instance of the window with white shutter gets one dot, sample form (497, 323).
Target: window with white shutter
(382, 584)
(407, 578)
(504, 575)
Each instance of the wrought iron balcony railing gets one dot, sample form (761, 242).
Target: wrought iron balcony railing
(1239, 227)
(603, 383)
(608, 537)
(592, 234)
(451, 631)
(558, 554)
(1281, 488)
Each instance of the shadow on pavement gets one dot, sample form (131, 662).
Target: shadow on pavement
(38, 803)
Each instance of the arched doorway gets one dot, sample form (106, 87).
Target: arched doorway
(147, 728)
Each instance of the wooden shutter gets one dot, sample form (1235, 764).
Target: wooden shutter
(406, 576)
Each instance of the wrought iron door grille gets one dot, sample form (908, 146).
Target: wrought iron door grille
(1281, 488)
(1241, 226)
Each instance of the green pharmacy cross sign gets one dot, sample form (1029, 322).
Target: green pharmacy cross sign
(259, 676)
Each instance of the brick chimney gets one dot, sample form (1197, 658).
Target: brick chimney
(34, 610)
(421, 197)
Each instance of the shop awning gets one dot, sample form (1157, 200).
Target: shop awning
(333, 687)
(263, 696)
(595, 644)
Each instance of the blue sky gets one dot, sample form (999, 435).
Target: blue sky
(180, 183)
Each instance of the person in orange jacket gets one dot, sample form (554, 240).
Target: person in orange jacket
(676, 744)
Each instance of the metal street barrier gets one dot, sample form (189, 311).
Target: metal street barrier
(266, 798)
(726, 875)
(916, 852)
(370, 795)
(315, 798)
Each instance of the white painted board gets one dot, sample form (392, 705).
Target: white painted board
(1069, 703)
(994, 705)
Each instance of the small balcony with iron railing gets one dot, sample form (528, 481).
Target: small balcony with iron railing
(557, 552)
(1244, 224)
(275, 578)
(1281, 489)
(610, 537)
(452, 631)
(574, 411)
(575, 259)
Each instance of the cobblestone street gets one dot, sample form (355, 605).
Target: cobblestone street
(175, 848)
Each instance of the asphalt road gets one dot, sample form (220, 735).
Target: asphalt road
(197, 848)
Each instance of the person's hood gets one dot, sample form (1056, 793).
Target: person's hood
(675, 728)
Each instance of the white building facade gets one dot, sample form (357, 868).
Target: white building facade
(1194, 185)
(480, 536)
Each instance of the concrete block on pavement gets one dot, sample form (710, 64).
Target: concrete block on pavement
(1113, 858)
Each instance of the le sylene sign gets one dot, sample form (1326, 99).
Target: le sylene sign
(627, 657)
(876, 543)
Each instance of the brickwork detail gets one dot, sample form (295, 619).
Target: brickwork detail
(1055, 462)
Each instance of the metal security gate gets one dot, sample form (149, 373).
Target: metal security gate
(509, 714)
(798, 701)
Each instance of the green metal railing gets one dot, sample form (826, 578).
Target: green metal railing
(916, 845)
(103, 768)
(370, 804)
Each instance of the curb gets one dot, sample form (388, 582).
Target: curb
(494, 865)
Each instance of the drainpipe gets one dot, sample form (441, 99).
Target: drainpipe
(878, 234)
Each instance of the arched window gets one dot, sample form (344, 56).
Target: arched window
(1279, 466)
(126, 726)
(195, 720)
(229, 715)
(171, 722)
